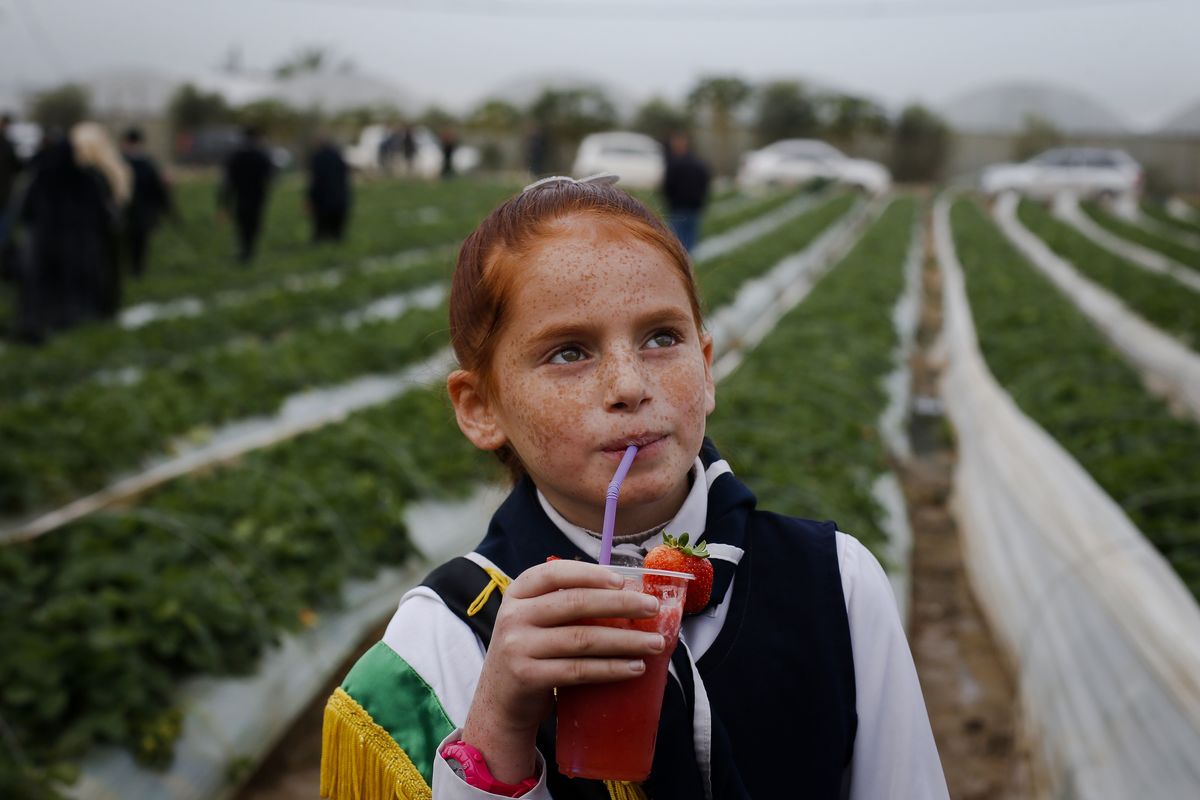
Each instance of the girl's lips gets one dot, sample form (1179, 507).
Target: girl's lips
(645, 442)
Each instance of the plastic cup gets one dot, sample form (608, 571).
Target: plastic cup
(607, 730)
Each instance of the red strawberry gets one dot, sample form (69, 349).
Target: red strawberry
(677, 555)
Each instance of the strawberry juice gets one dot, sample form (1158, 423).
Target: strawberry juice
(607, 730)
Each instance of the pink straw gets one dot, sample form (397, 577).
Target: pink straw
(610, 504)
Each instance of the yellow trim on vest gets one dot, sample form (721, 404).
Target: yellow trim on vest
(625, 790)
(498, 581)
(361, 761)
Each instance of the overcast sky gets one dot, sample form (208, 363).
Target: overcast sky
(1140, 57)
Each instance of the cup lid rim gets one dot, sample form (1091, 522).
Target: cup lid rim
(666, 573)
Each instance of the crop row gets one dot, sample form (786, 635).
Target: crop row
(195, 257)
(77, 357)
(207, 571)
(70, 442)
(1065, 376)
(1169, 247)
(1158, 298)
(1159, 213)
(799, 416)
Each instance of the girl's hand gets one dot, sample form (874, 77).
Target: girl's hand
(538, 644)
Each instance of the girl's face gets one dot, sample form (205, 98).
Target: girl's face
(601, 350)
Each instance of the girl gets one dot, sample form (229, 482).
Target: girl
(575, 319)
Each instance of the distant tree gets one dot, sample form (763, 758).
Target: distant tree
(496, 116)
(1037, 135)
(437, 119)
(920, 145)
(784, 111)
(719, 97)
(273, 118)
(61, 107)
(570, 114)
(658, 118)
(846, 117)
(191, 108)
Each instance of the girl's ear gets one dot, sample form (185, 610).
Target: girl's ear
(710, 386)
(476, 417)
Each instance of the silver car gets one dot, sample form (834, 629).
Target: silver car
(1085, 171)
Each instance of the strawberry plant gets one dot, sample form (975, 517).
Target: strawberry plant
(1065, 376)
(817, 378)
(1157, 298)
(1169, 247)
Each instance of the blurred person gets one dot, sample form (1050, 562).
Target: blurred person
(685, 189)
(150, 201)
(408, 149)
(535, 151)
(329, 192)
(69, 217)
(449, 140)
(10, 168)
(243, 192)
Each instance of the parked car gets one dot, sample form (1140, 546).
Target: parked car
(427, 162)
(791, 162)
(1086, 171)
(636, 157)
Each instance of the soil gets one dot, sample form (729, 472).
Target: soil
(969, 691)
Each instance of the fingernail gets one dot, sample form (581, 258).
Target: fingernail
(659, 643)
(650, 603)
(616, 581)
(637, 666)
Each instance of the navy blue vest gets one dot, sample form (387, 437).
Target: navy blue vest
(779, 677)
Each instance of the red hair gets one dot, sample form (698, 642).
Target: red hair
(489, 263)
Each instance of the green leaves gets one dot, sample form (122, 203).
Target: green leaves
(798, 416)
(1062, 373)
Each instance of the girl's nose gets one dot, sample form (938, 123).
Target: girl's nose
(625, 384)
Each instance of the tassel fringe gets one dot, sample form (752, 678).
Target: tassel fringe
(625, 790)
(361, 761)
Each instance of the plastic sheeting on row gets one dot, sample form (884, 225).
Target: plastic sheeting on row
(232, 721)
(1104, 636)
(1066, 208)
(1167, 367)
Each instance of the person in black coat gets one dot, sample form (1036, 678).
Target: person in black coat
(68, 219)
(243, 191)
(685, 189)
(328, 192)
(10, 169)
(150, 201)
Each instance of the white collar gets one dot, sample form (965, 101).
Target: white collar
(690, 519)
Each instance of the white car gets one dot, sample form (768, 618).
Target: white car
(1085, 171)
(791, 162)
(637, 158)
(427, 161)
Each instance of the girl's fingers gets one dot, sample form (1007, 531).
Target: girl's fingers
(563, 574)
(589, 641)
(572, 605)
(552, 672)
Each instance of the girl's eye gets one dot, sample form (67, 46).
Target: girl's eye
(567, 355)
(663, 339)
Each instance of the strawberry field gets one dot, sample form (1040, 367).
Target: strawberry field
(110, 610)
(198, 576)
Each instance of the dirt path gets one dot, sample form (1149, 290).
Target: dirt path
(968, 690)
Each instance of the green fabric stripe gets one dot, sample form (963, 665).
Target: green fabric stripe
(400, 702)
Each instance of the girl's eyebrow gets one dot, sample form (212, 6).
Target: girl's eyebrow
(574, 329)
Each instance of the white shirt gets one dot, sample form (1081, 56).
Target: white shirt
(894, 752)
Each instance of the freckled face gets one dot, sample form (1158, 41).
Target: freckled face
(600, 350)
